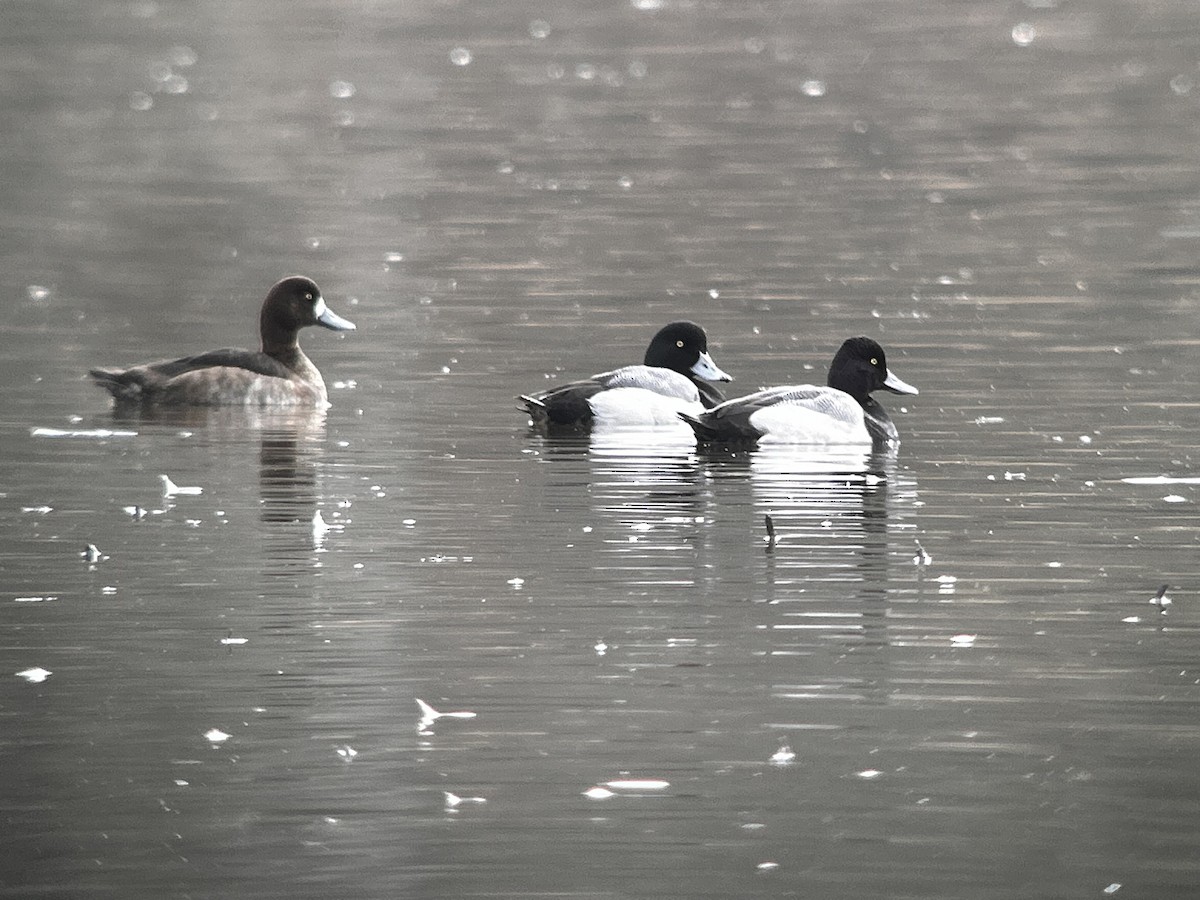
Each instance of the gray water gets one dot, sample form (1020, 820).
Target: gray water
(943, 680)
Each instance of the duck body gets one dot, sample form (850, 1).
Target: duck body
(840, 412)
(279, 374)
(673, 379)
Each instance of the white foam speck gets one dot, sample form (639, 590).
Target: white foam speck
(35, 675)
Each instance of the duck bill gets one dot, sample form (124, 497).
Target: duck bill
(705, 368)
(897, 386)
(327, 318)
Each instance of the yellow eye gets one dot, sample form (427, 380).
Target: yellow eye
(679, 344)
(307, 295)
(874, 361)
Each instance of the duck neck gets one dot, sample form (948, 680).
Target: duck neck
(879, 423)
(710, 396)
(278, 342)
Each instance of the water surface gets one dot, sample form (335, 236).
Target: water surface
(942, 679)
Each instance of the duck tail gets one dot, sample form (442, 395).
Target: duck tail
(115, 381)
(704, 431)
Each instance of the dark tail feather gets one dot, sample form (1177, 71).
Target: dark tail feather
(535, 407)
(704, 431)
(117, 382)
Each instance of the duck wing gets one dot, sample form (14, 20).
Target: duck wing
(569, 404)
(139, 382)
(786, 407)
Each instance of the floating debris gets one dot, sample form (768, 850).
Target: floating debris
(1163, 479)
(600, 647)
(37, 599)
(783, 756)
(868, 774)
(230, 640)
(40, 510)
(611, 788)
(320, 528)
(347, 752)
(768, 866)
(517, 583)
(922, 558)
(1161, 600)
(171, 489)
(80, 433)
(216, 736)
(429, 715)
(963, 640)
(637, 784)
(453, 801)
(35, 675)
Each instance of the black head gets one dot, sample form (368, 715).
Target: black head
(860, 367)
(683, 347)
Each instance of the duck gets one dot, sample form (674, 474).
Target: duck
(279, 374)
(841, 412)
(674, 377)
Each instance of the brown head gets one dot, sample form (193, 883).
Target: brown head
(293, 303)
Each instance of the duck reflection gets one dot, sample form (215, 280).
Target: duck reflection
(291, 449)
(289, 455)
(645, 485)
(826, 573)
(645, 503)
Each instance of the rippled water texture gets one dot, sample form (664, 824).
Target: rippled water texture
(941, 677)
